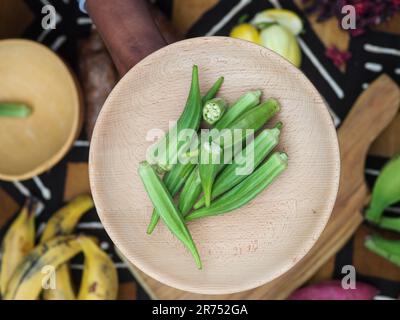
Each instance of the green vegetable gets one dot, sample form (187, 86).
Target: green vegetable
(243, 104)
(386, 190)
(213, 90)
(213, 110)
(210, 161)
(255, 152)
(192, 189)
(245, 191)
(190, 192)
(388, 249)
(252, 120)
(14, 110)
(390, 223)
(167, 150)
(175, 178)
(164, 204)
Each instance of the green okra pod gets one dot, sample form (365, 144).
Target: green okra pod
(190, 192)
(255, 153)
(386, 190)
(254, 119)
(164, 204)
(14, 110)
(213, 90)
(388, 249)
(213, 110)
(210, 161)
(246, 190)
(166, 152)
(248, 123)
(175, 178)
(242, 105)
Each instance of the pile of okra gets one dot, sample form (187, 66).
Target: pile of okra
(189, 190)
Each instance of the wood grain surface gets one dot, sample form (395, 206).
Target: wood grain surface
(368, 117)
(260, 241)
(33, 74)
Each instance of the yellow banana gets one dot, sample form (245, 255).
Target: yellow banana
(64, 220)
(99, 279)
(28, 279)
(62, 223)
(63, 289)
(18, 241)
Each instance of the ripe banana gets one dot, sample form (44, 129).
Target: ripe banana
(27, 280)
(64, 220)
(62, 223)
(18, 241)
(63, 289)
(99, 279)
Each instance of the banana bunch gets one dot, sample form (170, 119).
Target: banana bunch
(27, 271)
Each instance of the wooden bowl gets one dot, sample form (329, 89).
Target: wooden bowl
(245, 248)
(33, 74)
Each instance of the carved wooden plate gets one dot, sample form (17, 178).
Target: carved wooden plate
(250, 246)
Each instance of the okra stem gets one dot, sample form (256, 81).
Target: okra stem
(164, 204)
(246, 190)
(14, 110)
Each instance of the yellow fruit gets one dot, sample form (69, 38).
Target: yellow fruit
(283, 17)
(100, 278)
(18, 241)
(246, 31)
(27, 279)
(63, 222)
(283, 42)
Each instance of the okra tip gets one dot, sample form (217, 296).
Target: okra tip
(257, 93)
(143, 164)
(284, 157)
(278, 125)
